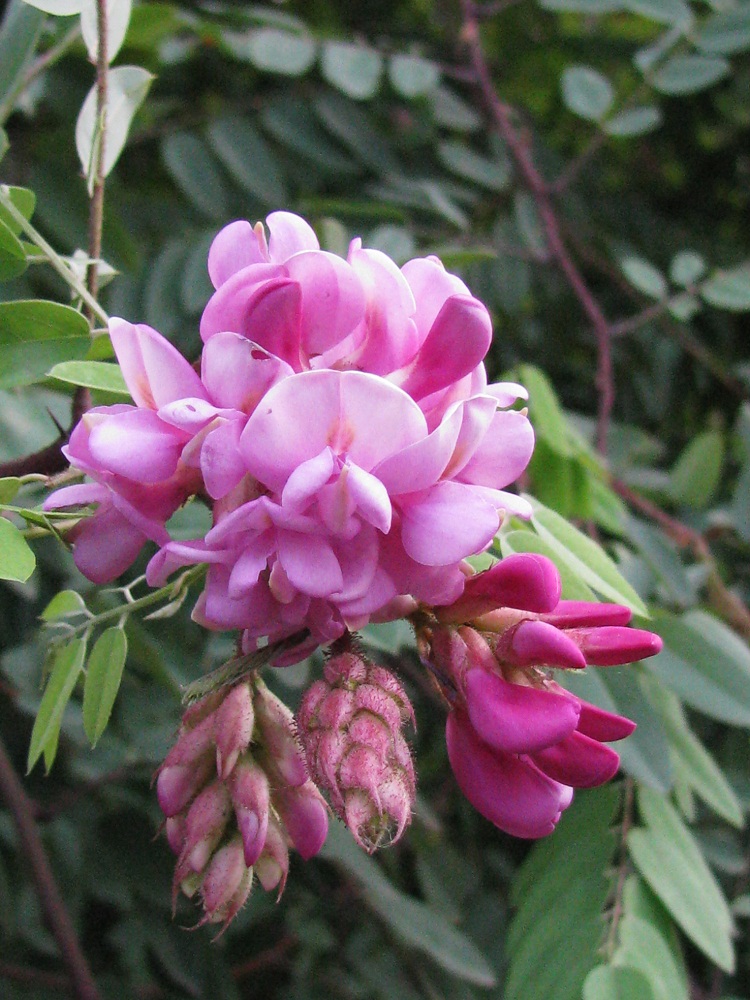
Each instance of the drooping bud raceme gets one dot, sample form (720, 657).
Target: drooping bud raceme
(350, 724)
(518, 742)
(237, 796)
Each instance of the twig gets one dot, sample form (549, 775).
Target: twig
(96, 207)
(49, 895)
(576, 165)
(632, 323)
(539, 190)
(622, 868)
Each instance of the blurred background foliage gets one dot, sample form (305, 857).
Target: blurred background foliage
(367, 119)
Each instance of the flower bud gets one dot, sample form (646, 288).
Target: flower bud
(235, 720)
(248, 788)
(272, 867)
(226, 884)
(350, 725)
(204, 825)
(276, 725)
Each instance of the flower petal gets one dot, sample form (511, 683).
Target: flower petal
(447, 523)
(103, 562)
(310, 563)
(289, 234)
(154, 370)
(578, 761)
(234, 247)
(137, 445)
(504, 453)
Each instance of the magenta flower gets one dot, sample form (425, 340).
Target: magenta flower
(518, 742)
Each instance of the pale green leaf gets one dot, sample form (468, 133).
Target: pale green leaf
(63, 605)
(725, 32)
(197, 172)
(249, 159)
(585, 558)
(729, 289)
(451, 111)
(118, 19)
(545, 411)
(587, 93)
(354, 69)
(274, 50)
(662, 11)
(616, 982)
(689, 74)
(633, 121)
(412, 922)
(683, 306)
(35, 335)
(9, 487)
(696, 474)
(583, 6)
(669, 859)
(67, 666)
(460, 159)
(60, 8)
(17, 561)
(706, 664)
(644, 276)
(701, 770)
(21, 27)
(103, 676)
(686, 268)
(412, 76)
(127, 87)
(12, 254)
(642, 947)
(92, 374)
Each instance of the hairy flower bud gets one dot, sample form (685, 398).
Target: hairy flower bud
(350, 725)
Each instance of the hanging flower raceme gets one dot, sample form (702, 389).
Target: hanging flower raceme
(350, 725)
(236, 794)
(518, 742)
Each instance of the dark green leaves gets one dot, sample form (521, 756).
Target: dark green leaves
(66, 668)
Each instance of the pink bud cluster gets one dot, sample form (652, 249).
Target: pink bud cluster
(236, 794)
(340, 427)
(350, 725)
(518, 742)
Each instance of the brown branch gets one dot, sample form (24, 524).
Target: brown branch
(622, 868)
(726, 603)
(50, 899)
(540, 192)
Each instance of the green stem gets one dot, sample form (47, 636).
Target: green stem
(64, 270)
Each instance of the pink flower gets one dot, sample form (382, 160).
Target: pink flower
(353, 501)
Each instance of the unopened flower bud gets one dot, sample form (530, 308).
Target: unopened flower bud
(235, 720)
(305, 815)
(226, 884)
(249, 791)
(350, 725)
(525, 580)
(272, 867)
(276, 725)
(204, 825)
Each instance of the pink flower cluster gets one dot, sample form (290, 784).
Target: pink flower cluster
(518, 742)
(341, 427)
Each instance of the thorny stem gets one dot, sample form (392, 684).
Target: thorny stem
(539, 190)
(49, 895)
(622, 868)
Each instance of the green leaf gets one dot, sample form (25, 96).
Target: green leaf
(289, 120)
(725, 32)
(451, 111)
(273, 50)
(103, 676)
(545, 411)
(249, 159)
(616, 982)
(701, 770)
(19, 34)
(17, 561)
(118, 19)
(583, 6)
(197, 174)
(706, 664)
(686, 268)
(696, 474)
(9, 487)
(412, 76)
(63, 605)
(92, 374)
(642, 947)
(127, 87)
(12, 254)
(633, 121)
(460, 159)
(585, 558)
(559, 886)
(644, 276)
(529, 224)
(396, 241)
(689, 74)
(411, 921)
(354, 69)
(353, 126)
(587, 93)
(729, 289)
(669, 859)
(683, 306)
(663, 11)
(34, 336)
(67, 666)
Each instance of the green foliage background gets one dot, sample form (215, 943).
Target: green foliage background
(367, 119)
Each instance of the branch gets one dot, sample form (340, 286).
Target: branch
(50, 899)
(96, 207)
(539, 190)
